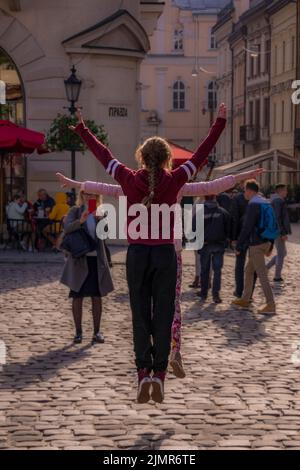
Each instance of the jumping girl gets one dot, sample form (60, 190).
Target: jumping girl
(151, 263)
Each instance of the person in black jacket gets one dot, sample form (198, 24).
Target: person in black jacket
(225, 200)
(238, 211)
(280, 207)
(216, 235)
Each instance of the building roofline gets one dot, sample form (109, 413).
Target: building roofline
(278, 5)
(106, 20)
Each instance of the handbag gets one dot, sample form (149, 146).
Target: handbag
(78, 243)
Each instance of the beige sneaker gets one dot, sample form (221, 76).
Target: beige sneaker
(177, 366)
(241, 303)
(267, 310)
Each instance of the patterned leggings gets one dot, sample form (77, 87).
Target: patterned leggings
(176, 326)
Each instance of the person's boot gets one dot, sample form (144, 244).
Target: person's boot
(144, 385)
(196, 283)
(158, 381)
(98, 338)
(176, 364)
(217, 299)
(241, 303)
(78, 337)
(268, 309)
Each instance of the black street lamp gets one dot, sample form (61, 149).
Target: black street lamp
(73, 87)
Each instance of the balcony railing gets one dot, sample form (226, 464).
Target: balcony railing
(253, 134)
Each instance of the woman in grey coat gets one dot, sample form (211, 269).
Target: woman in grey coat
(88, 276)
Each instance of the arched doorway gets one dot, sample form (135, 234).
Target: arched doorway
(12, 107)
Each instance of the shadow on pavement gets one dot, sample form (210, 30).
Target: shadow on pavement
(151, 441)
(40, 368)
(240, 327)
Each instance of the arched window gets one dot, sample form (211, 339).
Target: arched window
(12, 105)
(178, 95)
(178, 39)
(12, 174)
(212, 96)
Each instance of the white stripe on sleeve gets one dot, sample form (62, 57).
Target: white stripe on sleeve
(192, 166)
(114, 168)
(187, 170)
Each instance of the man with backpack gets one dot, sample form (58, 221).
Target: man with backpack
(259, 230)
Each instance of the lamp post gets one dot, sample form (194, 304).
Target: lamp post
(73, 86)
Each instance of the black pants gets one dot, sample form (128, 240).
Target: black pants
(211, 255)
(151, 276)
(239, 273)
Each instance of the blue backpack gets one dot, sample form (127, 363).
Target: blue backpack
(268, 225)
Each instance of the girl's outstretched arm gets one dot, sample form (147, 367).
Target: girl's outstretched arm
(112, 166)
(67, 182)
(186, 171)
(91, 187)
(219, 185)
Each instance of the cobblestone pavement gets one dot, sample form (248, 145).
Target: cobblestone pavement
(242, 388)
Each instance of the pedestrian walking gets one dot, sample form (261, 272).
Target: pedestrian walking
(216, 236)
(280, 207)
(259, 231)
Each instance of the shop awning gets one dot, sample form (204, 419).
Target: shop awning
(272, 160)
(19, 139)
(180, 154)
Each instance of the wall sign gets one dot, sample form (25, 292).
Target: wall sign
(118, 112)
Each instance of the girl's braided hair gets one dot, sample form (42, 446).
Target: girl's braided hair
(155, 153)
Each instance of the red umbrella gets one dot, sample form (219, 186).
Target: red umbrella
(180, 154)
(14, 138)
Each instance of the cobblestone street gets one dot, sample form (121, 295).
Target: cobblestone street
(242, 388)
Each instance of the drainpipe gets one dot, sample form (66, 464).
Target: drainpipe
(232, 102)
(297, 110)
(245, 92)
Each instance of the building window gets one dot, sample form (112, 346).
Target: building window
(293, 53)
(275, 59)
(178, 39)
(12, 105)
(266, 112)
(283, 56)
(282, 115)
(212, 40)
(251, 66)
(268, 56)
(258, 59)
(274, 117)
(251, 113)
(257, 113)
(292, 116)
(212, 96)
(178, 95)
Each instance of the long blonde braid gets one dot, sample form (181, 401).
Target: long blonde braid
(147, 201)
(154, 154)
